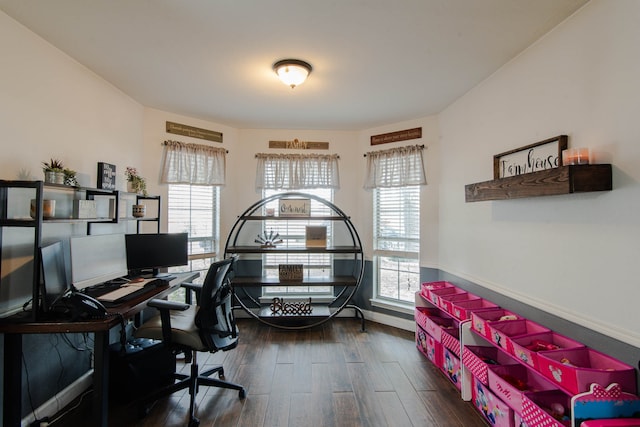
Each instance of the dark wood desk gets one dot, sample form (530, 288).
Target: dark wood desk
(13, 329)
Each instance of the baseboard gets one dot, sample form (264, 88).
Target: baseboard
(64, 397)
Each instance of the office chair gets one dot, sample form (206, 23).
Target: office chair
(207, 326)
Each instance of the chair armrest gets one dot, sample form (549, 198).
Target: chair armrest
(190, 286)
(161, 304)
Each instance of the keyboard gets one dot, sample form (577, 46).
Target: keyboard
(128, 291)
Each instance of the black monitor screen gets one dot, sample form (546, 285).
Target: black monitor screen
(147, 253)
(54, 275)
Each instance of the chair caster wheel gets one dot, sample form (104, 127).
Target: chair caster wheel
(143, 411)
(242, 394)
(221, 374)
(194, 422)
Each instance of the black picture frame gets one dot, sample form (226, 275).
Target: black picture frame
(106, 176)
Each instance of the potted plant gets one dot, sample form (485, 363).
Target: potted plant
(70, 177)
(53, 171)
(135, 183)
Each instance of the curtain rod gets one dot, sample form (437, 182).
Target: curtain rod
(162, 144)
(419, 146)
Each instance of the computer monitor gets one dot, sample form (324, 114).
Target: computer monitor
(54, 275)
(148, 253)
(97, 259)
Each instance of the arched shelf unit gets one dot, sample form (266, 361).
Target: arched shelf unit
(274, 240)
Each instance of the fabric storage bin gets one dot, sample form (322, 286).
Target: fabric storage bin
(510, 382)
(461, 310)
(539, 409)
(480, 319)
(421, 314)
(477, 360)
(501, 332)
(446, 301)
(492, 408)
(427, 287)
(428, 346)
(526, 347)
(575, 369)
(434, 325)
(436, 294)
(450, 338)
(518, 421)
(451, 367)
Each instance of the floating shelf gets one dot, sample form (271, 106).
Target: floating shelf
(550, 182)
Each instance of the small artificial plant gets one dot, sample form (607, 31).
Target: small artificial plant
(53, 165)
(138, 183)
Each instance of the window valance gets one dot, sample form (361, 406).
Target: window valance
(297, 171)
(194, 164)
(395, 167)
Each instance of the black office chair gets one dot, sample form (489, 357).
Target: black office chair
(208, 326)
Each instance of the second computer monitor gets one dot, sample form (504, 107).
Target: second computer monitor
(148, 253)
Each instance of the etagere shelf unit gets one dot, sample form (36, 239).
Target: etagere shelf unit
(268, 238)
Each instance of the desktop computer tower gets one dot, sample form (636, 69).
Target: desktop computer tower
(144, 366)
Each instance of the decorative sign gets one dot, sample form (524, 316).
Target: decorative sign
(540, 156)
(296, 144)
(402, 135)
(316, 236)
(280, 306)
(290, 272)
(294, 207)
(106, 176)
(209, 135)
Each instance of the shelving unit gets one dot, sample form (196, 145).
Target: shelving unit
(556, 181)
(515, 371)
(251, 279)
(15, 199)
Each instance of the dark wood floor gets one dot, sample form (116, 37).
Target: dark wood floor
(331, 375)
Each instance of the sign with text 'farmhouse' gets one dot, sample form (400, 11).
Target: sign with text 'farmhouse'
(536, 157)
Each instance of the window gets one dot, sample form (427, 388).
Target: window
(292, 234)
(194, 209)
(397, 242)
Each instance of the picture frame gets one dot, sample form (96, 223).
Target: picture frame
(534, 157)
(294, 207)
(106, 176)
(290, 272)
(316, 236)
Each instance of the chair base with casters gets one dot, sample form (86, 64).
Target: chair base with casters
(208, 326)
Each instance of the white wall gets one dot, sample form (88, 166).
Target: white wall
(51, 106)
(575, 255)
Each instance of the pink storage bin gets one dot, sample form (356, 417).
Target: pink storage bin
(450, 339)
(526, 347)
(494, 410)
(461, 310)
(447, 301)
(436, 294)
(511, 394)
(477, 360)
(575, 369)
(480, 319)
(537, 409)
(451, 367)
(435, 324)
(518, 421)
(427, 287)
(428, 346)
(500, 333)
(421, 314)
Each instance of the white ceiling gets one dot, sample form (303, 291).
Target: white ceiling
(374, 61)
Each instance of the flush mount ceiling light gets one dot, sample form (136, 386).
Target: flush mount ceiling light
(292, 72)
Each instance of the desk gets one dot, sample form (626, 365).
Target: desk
(13, 330)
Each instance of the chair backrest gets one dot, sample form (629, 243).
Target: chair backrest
(215, 318)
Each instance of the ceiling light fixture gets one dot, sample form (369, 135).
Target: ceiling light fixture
(292, 72)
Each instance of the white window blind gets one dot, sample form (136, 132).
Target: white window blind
(292, 233)
(397, 242)
(194, 209)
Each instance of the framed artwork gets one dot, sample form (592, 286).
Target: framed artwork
(106, 176)
(542, 155)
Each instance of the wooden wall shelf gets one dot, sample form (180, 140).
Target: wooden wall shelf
(561, 180)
